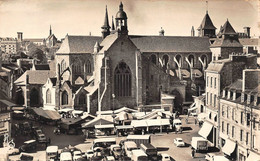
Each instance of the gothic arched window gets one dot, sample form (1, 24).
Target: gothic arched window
(191, 60)
(178, 59)
(165, 60)
(63, 66)
(82, 99)
(48, 96)
(154, 59)
(123, 82)
(77, 66)
(64, 98)
(88, 66)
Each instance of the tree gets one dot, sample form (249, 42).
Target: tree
(36, 53)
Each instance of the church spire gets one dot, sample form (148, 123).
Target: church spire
(50, 31)
(207, 7)
(113, 26)
(105, 28)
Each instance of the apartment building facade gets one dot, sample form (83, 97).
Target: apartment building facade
(239, 117)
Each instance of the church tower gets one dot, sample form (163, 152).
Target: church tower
(105, 28)
(121, 21)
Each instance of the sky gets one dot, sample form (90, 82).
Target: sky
(145, 17)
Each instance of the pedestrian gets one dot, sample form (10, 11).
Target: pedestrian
(193, 153)
(49, 141)
(195, 121)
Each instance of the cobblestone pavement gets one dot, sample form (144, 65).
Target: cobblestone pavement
(164, 142)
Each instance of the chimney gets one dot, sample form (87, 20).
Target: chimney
(247, 31)
(20, 36)
(161, 32)
(192, 31)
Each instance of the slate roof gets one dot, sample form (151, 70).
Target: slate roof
(217, 65)
(107, 42)
(171, 43)
(34, 39)
(228, 29)
(78, 44)
(223, 42)
(35, 77)
(249, 42)
(206, 23)
(42, 67)
(236, 85)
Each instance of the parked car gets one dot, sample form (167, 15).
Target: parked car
(98, 156)
(179, 142)
(89, 154)
(41, 138)
(51, 153)
(109, 158)
(128, 147)
(164, 157)
(77, 155)
(115, 150)
(28, 146)
(65, 156)
(26, 157)
(214, 157)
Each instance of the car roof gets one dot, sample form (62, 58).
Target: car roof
(29, 141)
(115, 145)
(178, 138)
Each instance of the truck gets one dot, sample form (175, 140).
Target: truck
(139, 139)
(139, 155)
(177, 125)
(150, 150)
(199, 144)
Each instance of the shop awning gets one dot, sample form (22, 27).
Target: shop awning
(108, 126)
(54, 115)
(253, 157)
(48, 114)
(205, 130)
(138, 123)
(18, 108)
(229, 147)
(124, 127)
(96, 121)
(153, 122)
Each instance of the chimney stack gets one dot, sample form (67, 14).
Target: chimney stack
(161, 32)
(247, 31)
(20, 36)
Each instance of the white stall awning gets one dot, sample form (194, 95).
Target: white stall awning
(205, 130)
(229, 147)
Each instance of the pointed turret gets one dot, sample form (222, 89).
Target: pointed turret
(105, 28)
(96, 47)
(50, 31)
(113, 26)
(206, 27)
(228, 29)
(192, 31)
